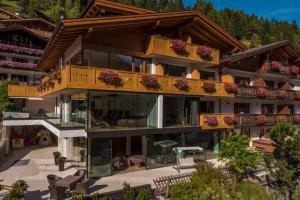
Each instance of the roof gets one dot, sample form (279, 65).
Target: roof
(24, 21)
(68, 30)
(286, 46)
(37, 33)
(97, 6)
(12, 16)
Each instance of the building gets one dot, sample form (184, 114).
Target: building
(130, 84)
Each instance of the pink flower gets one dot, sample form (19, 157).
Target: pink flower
(179, 47)
(182, 84)
(111, 78)
(205, 52)
(7, 63)
(294, 70)
(282, 94)
(230, 87)
(209, 87)
(296, 119)
(212, 121)
(20, 50)
(150, 81)
(276, 66)
(261, 93)
(297, 95)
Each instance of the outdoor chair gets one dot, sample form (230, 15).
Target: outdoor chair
(81, 173)
(52, 179)
(83, 186)
(185, 163)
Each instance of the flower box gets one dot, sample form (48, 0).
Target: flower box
(260, 120)
(150, 81)
(182, 84)
(296, 119)
(297, 95)
(281, 118)
(110, 77)
(282, 94)
(229, 120)
(20, 50)
(230, 87)
(179, 47)
(204, 52)
(12, 64)
(261, 93)
(212, 121)
(209, 87)
(276, 66)
(294, 70)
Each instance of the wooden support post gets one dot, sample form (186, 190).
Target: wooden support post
(195, 74)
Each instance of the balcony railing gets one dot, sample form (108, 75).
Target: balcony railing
(269, 93)
(256, 119)
(77, 77)
(23, 91)
(216, 121)
(163, 47)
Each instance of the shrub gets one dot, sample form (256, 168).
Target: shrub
(260, 120)
(61, 159)
(296, 193)
(250, 191)
(77, 196)
(150, 81)
(144, 194)
(128, 192)
(294, 70)
(209, 87)
(110, 77)
(230, 87)
(205, 52)
(282, 94)
(276, 66)
(179, 47)
(261, 93)
(56, 154)
(182, 84)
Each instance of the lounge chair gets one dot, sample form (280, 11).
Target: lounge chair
(52, 179)
(81, 173)
(83, 186)
(185, 163)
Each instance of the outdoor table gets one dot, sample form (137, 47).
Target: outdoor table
(136, 159)
(68, 181)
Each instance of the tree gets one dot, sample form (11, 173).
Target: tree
(10, 5)
(4, 98)
(238, 157)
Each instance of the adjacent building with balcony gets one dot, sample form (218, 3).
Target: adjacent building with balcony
(130, 85)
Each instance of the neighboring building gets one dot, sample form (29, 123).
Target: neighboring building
(127, 88)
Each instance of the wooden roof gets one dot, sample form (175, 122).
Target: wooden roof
(193, 22)
(4, 14)
(283, 49)
(96, 7)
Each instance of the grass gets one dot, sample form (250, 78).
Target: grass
(252, 191)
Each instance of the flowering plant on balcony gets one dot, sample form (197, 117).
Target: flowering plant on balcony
(282, 94)
(229, 120)
(150, 81)
(182, 84)
(296, 119)
(41, 87)
(212, 121)
(20, 50)
(205, 52)
(110, 77)
(297, 95)
(261, 93)
(12, 64)
(179, 47)
(276, 66)
(230, 87)
(281, 118)
(209, 87)
(58, 76)
(260, 120)
(294, 70)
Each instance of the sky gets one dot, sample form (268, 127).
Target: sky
(278, 9)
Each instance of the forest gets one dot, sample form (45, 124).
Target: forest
(251, 29)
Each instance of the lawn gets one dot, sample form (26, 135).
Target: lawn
(252, 191)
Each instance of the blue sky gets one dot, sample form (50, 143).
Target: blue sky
(278, 9)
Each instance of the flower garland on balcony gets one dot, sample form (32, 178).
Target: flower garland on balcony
(230, 87)
(294, 70)
(212, 121)
(229, 120)
(282, 94)
(296, 119)
(209, 87)
(182, 84)
(12, 64)
(179, 47)
(281, 118)
(110, 77)
(276, 66)
(20, 50)
(150, 81)
(205, 52)
(297, 95)
(260, 120)
(261, 93)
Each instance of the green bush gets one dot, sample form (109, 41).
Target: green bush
(136, 194)
(296, 193)
(252, 191)
(144, 194)
(77, 196)
(128, 192)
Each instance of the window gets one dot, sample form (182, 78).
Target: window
(171, 70)
(269, 84)
(241, 108)
(95, 58)
(267, 109)
(207, 107)
(121, 62)
(242, 81)
(204, 75)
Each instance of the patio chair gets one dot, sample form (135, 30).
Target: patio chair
(83, 186)
(185, 163)
(81, 173)
(52, 179)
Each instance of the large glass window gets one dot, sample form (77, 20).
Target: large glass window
(95, 58)
(109, 110)
(205, 75)
(79, 153)
(172, 70)
(120, 62)
(207, 107)
(241, 108)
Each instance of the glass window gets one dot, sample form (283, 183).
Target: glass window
(269, 84)
(95, 58)
(120, 62)
(241, 108)
(267, 109)
(138, 64)
(207, 107)
(79, 153)
(171, 70)
(242, 81)
(204, 75)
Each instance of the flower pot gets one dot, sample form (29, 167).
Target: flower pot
(61, 166)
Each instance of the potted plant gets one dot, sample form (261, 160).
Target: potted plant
(182, 84)
(261, 93)
(61, 163)
(110, 77)
(150, 81)
(230, 87)
(294, 70)
(204, 52)
(296, 119)
(209, 87)
(82, 155)
(179, 47)
(276, 66)
(297, 95)
(260, 120)
(282, 94)
(212, 121)
(229, 120)
(56, 155)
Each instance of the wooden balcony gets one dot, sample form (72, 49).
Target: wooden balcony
(23, 91)
(251, 119)
(221, 122)
(159, 46)
(77, 77)
(251, 92)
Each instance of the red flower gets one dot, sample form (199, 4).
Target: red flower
(294, 70)
(212, 121)
(182, 84)
(150, 81)
(209, 87)
(261, 93)
(111, 78)
(282, 94)
(296, 119)
(205, 52)
(260, 120)
(230, 87)
(276, 66)
(229, 120)
(179, 47)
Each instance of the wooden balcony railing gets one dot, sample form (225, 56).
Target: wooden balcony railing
(23, 91)
(77, 77)
(270, 93)
(253, 119)
(163, 47)
(216, 121)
